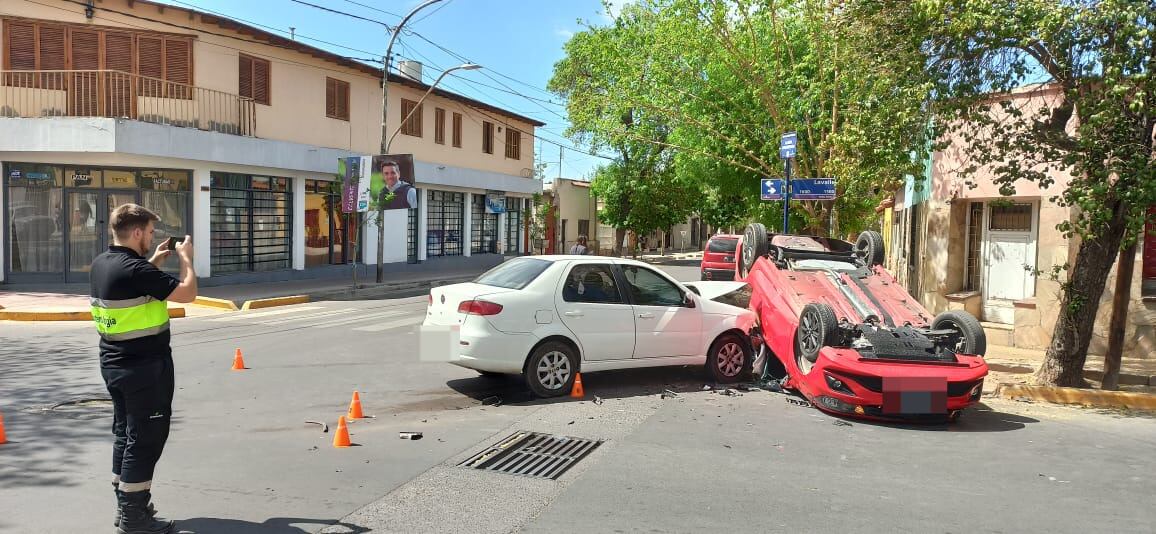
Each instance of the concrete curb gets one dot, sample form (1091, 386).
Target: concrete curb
(49, 315)
(1084, 397)
(275, 301)
(221, 304)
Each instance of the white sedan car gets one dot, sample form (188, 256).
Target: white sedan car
(549, 317)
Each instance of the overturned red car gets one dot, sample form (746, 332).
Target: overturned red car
(852, 340)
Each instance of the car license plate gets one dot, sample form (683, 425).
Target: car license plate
(728, 259)
(914, 395)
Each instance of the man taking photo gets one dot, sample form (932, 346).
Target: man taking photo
(136, 361)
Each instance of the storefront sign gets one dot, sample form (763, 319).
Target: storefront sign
(355, 182)
(15, 174)
(495, 202)
(79, 180)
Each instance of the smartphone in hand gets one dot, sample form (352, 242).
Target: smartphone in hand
(172, 243)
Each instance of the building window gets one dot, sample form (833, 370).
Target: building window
(326, 240)
(412, 125)
(487, 137)
(250, 217)
(584, 227)
(513, 225)
(974, 231)
(37, 46)
(336, 99)
(444, 222)
(1011, 218)
(440, 126)
(513, 143)
(457, 130)
(254, 75)
(484, 227)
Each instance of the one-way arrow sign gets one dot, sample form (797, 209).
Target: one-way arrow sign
(772, 189)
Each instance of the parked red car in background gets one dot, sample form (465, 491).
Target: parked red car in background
(718, 258)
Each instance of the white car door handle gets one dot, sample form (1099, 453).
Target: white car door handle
(573, 314)
(646, 315)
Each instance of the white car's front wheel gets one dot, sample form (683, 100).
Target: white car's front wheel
(729, 359)
(551, 368)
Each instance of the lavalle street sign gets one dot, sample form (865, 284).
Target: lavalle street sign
(813, 189)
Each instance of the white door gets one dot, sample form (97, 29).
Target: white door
(591, 305)
(1009, 260)
(666, 325)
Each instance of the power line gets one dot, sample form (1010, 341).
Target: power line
(373, 8)
(323, 8)
(439, 8)
(301, 35)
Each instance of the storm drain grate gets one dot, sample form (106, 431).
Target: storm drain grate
(533, 455)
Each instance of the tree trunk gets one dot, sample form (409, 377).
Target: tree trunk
(1120, 300)
(619, 236)
(1064, 363)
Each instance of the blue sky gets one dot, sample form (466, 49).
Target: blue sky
(516, 41)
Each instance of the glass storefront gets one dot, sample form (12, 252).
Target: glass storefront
(57, 215)
(326, 240)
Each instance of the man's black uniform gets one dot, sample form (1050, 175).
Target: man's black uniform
(128, 307)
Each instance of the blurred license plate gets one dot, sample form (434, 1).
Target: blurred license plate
(914, 395)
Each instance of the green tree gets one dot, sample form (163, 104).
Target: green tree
(1102, 55)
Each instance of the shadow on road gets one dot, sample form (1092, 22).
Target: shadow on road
(276, 525)
(512, 389)
(44, 446)
(980, 418)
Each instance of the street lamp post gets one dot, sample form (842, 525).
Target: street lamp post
(384, 131)
(465, 66)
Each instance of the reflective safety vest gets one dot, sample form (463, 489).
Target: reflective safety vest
(122, 320)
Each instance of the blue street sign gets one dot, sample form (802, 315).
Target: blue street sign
(788, 145)
(772, 189)
(813, 189)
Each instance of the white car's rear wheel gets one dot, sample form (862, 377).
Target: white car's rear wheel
(729, 359)
(550, 370)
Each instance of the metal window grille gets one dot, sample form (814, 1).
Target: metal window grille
(251, 221)
(484, 232)
(513, 224)
(444, 223)
(974, 224)
(411, 234)
(1014, 217)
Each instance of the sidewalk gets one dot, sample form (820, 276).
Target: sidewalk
(1018, 366)
(71, 299)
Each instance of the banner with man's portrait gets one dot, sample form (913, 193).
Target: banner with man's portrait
(372, 177)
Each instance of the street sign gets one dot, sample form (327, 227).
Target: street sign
(788, 145)
(772, 189)
(813, 189)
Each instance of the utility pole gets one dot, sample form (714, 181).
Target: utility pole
(561, 153)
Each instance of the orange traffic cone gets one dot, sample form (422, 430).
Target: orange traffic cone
(341, 437)
(355, 407)
(238, 361)
(3, 439)
(577, 392)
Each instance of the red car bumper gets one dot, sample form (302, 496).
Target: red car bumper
(841, 382)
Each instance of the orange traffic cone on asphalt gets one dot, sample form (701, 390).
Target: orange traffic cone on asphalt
(577, 392)
(3, 439)
(238, 361)
(355, 407)
(341, 437)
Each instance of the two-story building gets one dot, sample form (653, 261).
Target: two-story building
(232, 135)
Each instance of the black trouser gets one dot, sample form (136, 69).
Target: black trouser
(142, 401)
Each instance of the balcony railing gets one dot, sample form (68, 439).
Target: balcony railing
(116, 94)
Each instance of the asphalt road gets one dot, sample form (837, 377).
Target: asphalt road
(242, 458)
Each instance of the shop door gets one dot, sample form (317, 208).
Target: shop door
(89, 233)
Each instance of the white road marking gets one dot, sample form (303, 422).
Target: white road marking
(408, 321)
(238, 316)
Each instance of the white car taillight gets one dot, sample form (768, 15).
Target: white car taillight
(479, 307)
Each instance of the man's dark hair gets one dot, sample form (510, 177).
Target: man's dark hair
(129, 217)
(391, 163)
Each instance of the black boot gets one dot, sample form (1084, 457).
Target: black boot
(134, 515)
(116, 520)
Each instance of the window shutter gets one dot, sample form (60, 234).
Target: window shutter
(488, 137)
(457, 130)
(21, 45)
(330, 97)
(53, 55)
(150, 64)
(343, 100)
(85, 50)
(245, 76)
(118, 51)
(440, 126)
(119, 98)
(177, 67)
(261, 81)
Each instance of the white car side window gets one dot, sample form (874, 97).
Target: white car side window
(650, 289)
(591, 283)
